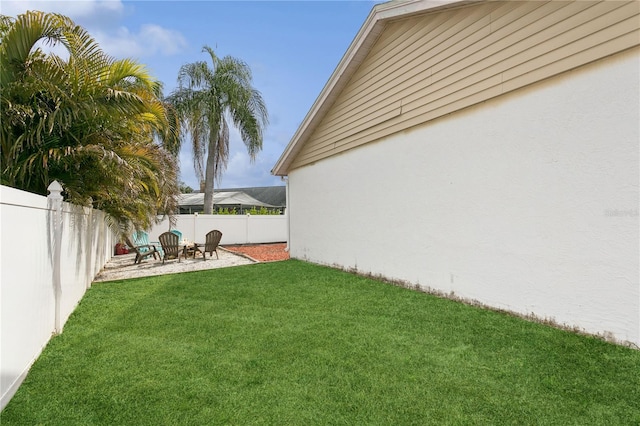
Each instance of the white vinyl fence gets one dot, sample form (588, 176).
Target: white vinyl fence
(50, 251)
(236, 229)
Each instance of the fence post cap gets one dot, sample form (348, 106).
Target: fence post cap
(55, 190)
(54, 187)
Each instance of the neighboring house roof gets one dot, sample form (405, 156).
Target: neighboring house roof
(230, 198)
(273, 195)
(415, 61)
(266, 196)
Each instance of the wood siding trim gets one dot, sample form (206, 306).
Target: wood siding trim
(427, 66)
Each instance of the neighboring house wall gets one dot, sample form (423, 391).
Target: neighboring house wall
(424, 67)
(527, 202)
(27, 293)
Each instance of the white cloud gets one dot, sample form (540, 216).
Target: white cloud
(74, 9)
(241, 172)
(187, 171)
(162, 40)
(100, 18)
(150, 40)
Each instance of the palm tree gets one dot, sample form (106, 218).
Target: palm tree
(89, 121)
(206, 99)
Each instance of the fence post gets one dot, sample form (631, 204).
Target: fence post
(55, 204)
(286, 212)
(195, 236)
(248, 219)
(89, 243)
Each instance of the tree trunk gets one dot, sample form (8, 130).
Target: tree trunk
(209, 177)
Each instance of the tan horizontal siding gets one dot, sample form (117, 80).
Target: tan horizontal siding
(427, 66)
(390, 80)
(386, 74)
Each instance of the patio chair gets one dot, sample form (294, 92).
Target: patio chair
(178, 233)
(142, 251)
(211, 244)
(170, 243)
(187, 251)
(141, 239)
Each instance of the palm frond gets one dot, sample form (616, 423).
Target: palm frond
(205, 97)
(89, 121)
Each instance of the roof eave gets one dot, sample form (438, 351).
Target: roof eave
(355, 54)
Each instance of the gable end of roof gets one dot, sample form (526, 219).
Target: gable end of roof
(355, 54)
(416, 61)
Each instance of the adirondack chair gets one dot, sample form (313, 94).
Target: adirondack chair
(141, 239)
(142, 251)
(170, 243)
(178, 233)
(211, 244)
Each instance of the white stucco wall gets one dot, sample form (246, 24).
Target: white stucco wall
(527, 203)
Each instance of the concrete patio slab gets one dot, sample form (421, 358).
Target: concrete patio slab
(122, 267)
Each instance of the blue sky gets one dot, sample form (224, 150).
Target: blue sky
(292, 47)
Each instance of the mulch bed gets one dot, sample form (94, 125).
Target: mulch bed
(261, 252)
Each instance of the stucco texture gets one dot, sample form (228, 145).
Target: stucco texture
(528, 202)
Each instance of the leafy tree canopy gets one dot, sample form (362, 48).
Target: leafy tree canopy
(90, 121)
(185, 189)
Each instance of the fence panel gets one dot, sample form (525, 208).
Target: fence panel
(267, 229)
(236, 229)
(30, 308)
(27, 293)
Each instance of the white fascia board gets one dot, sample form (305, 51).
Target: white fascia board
(355, 54)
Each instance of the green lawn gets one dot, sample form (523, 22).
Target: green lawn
(294, 343)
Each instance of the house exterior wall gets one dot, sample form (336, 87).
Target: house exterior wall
(528, 202)
(426, 66)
